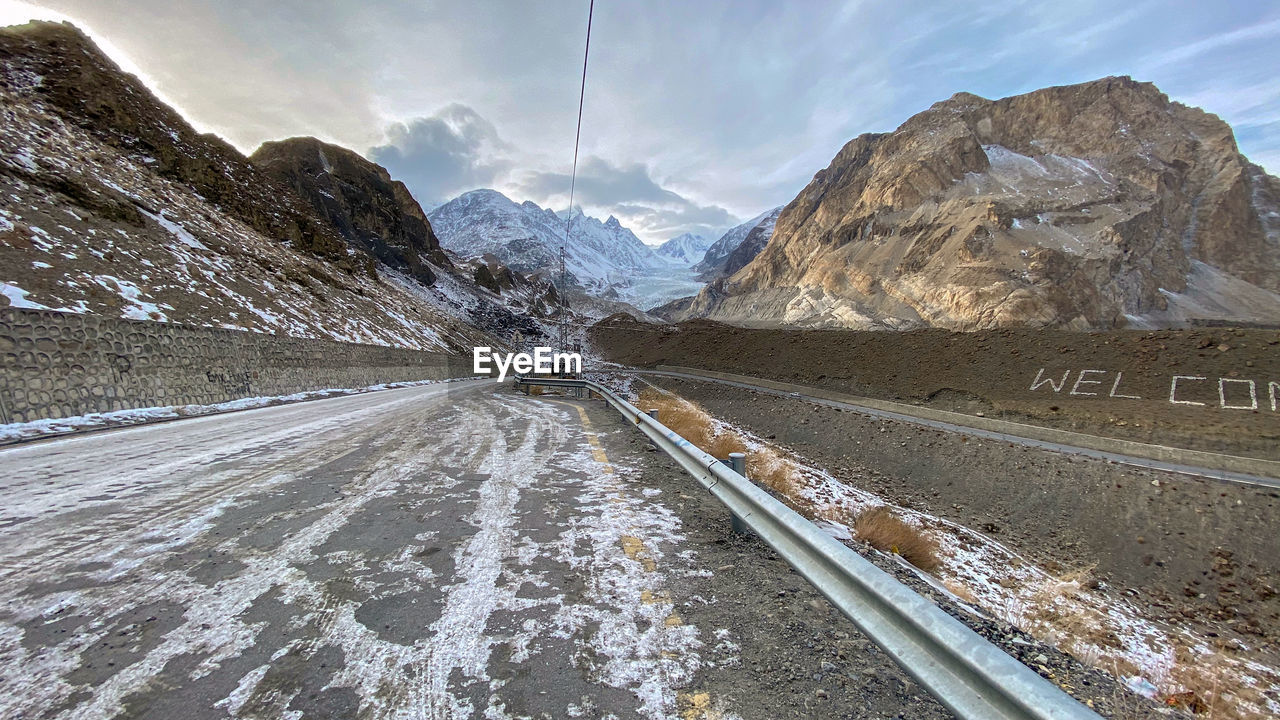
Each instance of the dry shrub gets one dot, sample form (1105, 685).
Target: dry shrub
(887, 532)
(778, 474)
(683, 417)
(960, 590)
(691, 423)
(722, 444)
(1207, 686)
(764, 465)
(535, 390)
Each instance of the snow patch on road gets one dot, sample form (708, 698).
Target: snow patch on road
(645, 646)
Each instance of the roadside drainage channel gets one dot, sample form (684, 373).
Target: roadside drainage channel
(970, 676)
(1227, 468)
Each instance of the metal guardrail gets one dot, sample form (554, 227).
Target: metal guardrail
(972, 677)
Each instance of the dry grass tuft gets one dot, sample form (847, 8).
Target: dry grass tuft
(691, 422)
(764, 465)
(535, 390)
(960, 590)
(777, 473)
(887, 532)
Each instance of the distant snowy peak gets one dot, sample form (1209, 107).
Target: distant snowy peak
(686, 249)
(714, 259)
(528, 237)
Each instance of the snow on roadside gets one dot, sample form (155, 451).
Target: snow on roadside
(1093, 624)
(14, 432)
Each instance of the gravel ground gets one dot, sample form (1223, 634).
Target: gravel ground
(1194, 551)
(787, 652)
(809, 659)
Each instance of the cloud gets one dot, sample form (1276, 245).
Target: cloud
(696, 106)
(628, 191)
(445, 154)
(599, 183)
(657, 224)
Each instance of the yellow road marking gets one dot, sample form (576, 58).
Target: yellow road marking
(648, 597)
(692, 706)
(634, 548)
(696, 706)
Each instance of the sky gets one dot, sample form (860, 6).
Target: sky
(697, 115)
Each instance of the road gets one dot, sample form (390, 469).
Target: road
(442, 551)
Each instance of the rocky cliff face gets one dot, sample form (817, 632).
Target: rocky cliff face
(372, 212)
(111, 204)
(85, 89)
(1097, 205)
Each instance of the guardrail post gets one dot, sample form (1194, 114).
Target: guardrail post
(653, 414)
(738, 464)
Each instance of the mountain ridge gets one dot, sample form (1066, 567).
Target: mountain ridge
(116, 206)
(527, 237)
(684, 249)
(1088, 206)
(713, 261)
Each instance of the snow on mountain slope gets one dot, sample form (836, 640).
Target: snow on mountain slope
(113, 205)
(714, 257)
(527, 238)
(686, 249)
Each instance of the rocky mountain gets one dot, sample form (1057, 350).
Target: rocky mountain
(1097, 205)
(750, 247)
(113, 205)
(686, 249)
(370, 210)
(527, 238)
(711, 266)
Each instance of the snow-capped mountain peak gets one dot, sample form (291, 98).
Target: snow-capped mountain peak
(527, 238)
(686, 249)
(714, 259)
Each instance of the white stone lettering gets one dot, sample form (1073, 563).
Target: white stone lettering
(1057, 387)
(1080, 380)
(1222, 394)
(1116, 386)
(1173, 389)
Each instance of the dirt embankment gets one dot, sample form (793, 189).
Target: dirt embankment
(1194, 552)
(1212, 389)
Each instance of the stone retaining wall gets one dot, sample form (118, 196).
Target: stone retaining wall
(56, 364)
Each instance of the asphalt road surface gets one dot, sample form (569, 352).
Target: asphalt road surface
(443, 551)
